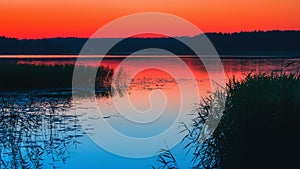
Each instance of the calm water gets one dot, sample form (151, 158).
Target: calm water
(48, 129)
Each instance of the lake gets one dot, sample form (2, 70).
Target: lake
(48, 128)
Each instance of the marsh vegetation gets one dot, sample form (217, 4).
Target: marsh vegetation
(31, 77)
(36, 131)
(258, 129)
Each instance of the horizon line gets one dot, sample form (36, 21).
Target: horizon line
(154, 37)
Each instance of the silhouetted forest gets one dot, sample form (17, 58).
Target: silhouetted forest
(258, 43)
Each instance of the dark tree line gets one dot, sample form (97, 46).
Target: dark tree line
(273, 43)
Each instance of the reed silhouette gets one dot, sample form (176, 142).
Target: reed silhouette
(34, 129)
(258, 129)
(32, 77)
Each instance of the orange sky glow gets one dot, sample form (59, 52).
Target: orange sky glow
(81, 18)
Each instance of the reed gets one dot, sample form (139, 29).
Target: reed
(27, 77)
(258, 128)
(35, 129)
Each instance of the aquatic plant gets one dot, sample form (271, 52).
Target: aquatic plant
(34, 129)
(258, 129)
(32, 77)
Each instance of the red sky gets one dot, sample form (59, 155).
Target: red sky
(81, 18)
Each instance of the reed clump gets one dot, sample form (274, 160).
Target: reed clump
(259, 127)
(32, 77)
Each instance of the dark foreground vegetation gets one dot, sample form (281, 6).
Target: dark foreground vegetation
(259, 128)
(25, 77)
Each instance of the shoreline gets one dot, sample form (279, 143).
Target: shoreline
(91, 57)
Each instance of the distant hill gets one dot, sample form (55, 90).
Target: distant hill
(258, 43)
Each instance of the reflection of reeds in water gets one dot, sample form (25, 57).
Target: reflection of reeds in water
(121, 83)
(36, 130)
(148, 83)
(204, 116)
